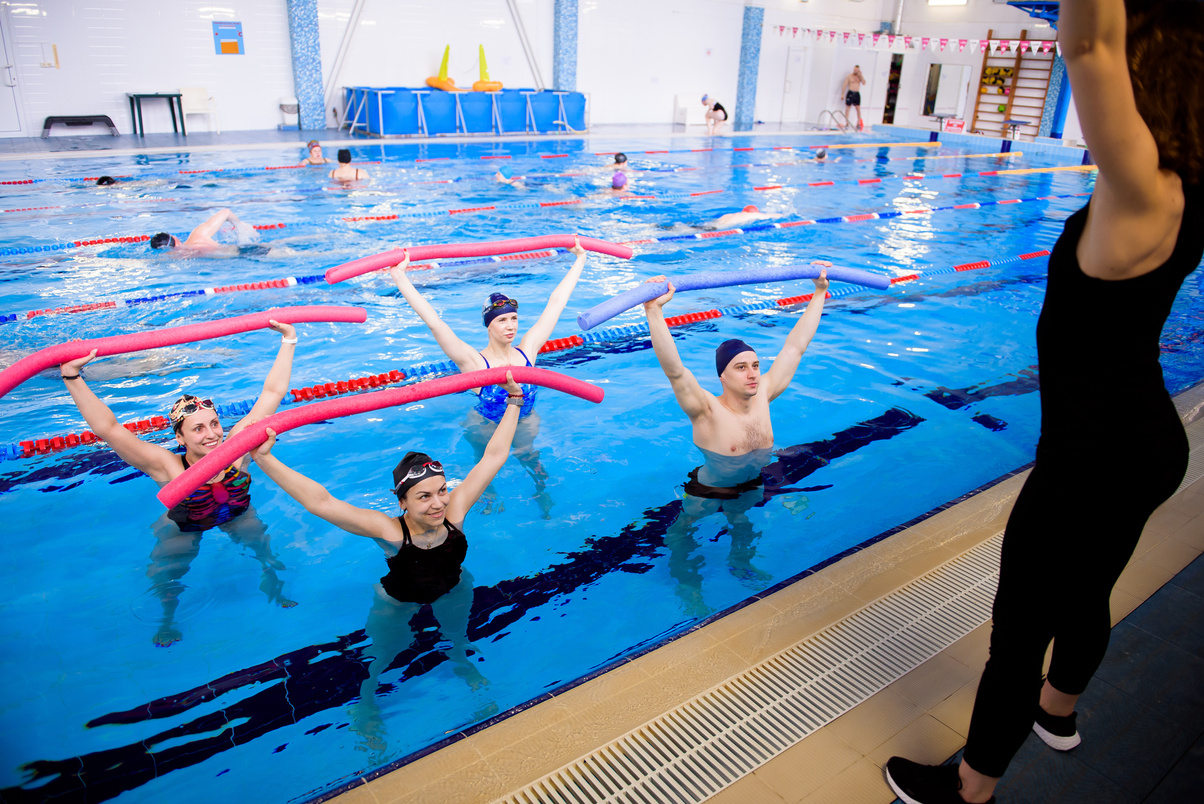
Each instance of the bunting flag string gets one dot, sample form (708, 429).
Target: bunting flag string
(933, 43)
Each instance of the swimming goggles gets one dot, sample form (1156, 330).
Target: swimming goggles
(188, 406)
(418, 471)
(494, 305)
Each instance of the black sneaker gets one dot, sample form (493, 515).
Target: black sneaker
(914, 783)
(1058, 733)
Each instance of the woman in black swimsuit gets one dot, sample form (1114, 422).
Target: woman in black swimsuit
(1112, 446)
(424, 547)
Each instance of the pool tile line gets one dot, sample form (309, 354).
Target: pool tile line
(423, 371)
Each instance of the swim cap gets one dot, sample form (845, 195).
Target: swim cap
(620, 158)
(161, 240)
(505, 174)
(414, 468)
(821, 153)
(618, 181)
(310, 145)
(498, 304)
(750, 208)
(705, 97)
(727, 351)
(103, 180)
(344, 156)
(184, 407)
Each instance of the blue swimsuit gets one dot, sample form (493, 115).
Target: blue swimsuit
(492, 400)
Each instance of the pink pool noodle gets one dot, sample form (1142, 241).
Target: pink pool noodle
(388, 259)
(251, 436)
(52, 356)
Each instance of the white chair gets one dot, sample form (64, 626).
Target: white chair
(197, 100)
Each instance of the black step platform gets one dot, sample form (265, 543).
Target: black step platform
(78, 120)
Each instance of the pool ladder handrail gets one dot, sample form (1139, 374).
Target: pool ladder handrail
(832, 113)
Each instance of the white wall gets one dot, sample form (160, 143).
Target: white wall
(107, 48)
(400, 42)
(634, 56)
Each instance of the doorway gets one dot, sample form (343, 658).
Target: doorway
(892, 87)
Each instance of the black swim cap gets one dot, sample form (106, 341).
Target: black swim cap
(161, 240)
(727, 351)
(620, 158)
(409, 464)
(344, 156)
(103, 180)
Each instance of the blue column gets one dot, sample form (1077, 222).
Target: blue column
(307, 62)
(564, 45)
(750, 62)
(1057, 101)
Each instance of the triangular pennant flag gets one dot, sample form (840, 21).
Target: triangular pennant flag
(994, 44)
(1045, 46)
(860, 40)
(907, 41)
(846, 37)
(794, 33)
(831, 36)
(984, 45)
(890, 40)
(819, 34)
(781, 30)
(1023, 45)
(961, 45)
(924, 40)
(944, 44)
(876, 38)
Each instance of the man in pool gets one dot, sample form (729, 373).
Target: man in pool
(315, 154)
(200, 241)
(733, 220)
(734, 433)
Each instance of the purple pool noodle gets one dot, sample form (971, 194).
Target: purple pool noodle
(610, 308)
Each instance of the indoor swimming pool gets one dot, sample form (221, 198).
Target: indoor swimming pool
(141, 666)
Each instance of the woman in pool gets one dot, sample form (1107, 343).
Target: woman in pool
(1112, 446)
(225, 502)
(315, 154)
(499, 315)
(424, 547)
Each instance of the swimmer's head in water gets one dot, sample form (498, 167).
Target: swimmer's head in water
(727, 351)
(344, 156)
(163, 240)
(620, 159)
(1169, 101)
(504, 173)
(184, 407)
(498, 304)
(309, 146)
(103, 180)
(413, 469)
(750, 208)
(618, 181)
(822, 153)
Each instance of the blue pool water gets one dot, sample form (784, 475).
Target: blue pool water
(907, 399)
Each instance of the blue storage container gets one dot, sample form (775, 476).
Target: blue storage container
(476, 112)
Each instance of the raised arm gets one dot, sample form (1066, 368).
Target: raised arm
(465, 495)
(692, 397)
(153, 460)
(314, 497)
(1136, 208)
(786, 363)
(538, 335)
(214, 225)
(464, 356)
(276, 384)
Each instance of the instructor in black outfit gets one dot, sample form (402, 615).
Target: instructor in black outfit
(1112, 447)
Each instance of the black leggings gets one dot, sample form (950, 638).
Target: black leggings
(1069, 536)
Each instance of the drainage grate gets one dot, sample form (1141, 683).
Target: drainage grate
(706, 744)
(1195, 463)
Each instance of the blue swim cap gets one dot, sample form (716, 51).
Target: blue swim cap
(704, 98)
(498, 304)
(727, 351)
(505, 174)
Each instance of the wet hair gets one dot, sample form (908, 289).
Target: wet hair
(103, 180)
(1162, 37)
(620, 158)
(618, 181)
(161, 240)
(344, 156)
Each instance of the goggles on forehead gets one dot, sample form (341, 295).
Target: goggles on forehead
(497, 305)
(430, 467)
(188, 406)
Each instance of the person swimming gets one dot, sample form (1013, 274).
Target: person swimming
(345, 172)
(104, 181)
(223, 502)
(200, 241)
(314, 154)
(505, 175)
(733, 220)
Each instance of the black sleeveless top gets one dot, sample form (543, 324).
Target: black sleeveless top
(1102, 390)
(424, 576)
